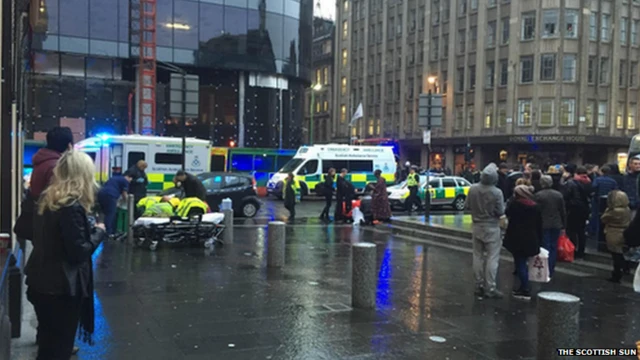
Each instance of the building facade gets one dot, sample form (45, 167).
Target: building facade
(253, 58)
(319, 99)
(550, 81)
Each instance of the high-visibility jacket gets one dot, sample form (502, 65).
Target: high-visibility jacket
(296, 187)
(161, 209)
(191, 203)
(413, 180)
(149, 201)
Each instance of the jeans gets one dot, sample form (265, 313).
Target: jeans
(486, 240)
(523, 271)
(109, 207)
(58, 317)
(550, 242)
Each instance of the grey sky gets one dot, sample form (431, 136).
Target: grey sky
(326, 9)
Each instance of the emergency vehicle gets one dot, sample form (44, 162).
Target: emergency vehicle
(311, 163)
(114, 154)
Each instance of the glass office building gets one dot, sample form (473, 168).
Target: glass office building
(252, 57)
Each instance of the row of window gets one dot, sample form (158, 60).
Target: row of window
(546, 113)
(628, 29)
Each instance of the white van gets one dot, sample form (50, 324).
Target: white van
(114, 154)
(311, 163)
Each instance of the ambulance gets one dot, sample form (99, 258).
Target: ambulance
(114, 154)
(311, 164)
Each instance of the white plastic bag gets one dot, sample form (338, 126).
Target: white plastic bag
(539, 267)
(636, 280)
(358, 217)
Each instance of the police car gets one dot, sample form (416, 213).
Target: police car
(445, 191)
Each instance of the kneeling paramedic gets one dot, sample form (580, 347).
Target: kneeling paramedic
(108, 196)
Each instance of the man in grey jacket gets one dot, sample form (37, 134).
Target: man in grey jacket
(486, 204)
(554, 218)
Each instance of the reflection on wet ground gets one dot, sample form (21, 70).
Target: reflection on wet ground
(186, 303)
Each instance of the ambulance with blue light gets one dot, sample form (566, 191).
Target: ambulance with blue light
(114, 154)
(311, 163)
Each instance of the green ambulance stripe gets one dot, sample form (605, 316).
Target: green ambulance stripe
(445, 193)
(159, 182)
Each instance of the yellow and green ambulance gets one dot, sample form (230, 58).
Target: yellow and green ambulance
(114, 154)
(445, 191)
(311, 163)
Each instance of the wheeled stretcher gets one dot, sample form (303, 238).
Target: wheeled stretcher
(202, 229)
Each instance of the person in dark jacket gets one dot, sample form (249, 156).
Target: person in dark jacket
(577, 190)
(115, 188)
(600, 188)
(630, 184)
(524, 234)
(617, 176)
(535, 180)
(59, 270)
(290, 195)
(344, 194)
(191, 185)
(554, 218)
(327, 190)
(503, 181)
(139, 181)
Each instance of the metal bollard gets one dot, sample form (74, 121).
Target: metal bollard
(558, 326)
(363, 275)
(227, 234)
(131, 215)
(276, 244)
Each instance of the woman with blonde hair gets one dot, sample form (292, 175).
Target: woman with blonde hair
(59, 271)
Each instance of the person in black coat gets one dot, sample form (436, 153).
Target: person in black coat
(344, 194)
(191, 185)
(503, 181)
(524, 234)
(139, 180)
(327, 190)
(59, 270)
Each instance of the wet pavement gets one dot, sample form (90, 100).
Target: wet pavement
(189, 303)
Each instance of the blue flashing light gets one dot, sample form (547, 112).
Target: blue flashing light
(103, 136)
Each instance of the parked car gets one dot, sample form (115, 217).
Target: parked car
(240, 188)
(445, 191)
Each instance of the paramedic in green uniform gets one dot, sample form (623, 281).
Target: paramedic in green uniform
(413, 181)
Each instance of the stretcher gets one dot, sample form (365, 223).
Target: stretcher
(197, 230)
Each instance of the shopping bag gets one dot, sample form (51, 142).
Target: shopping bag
(358, 217)
(632, 254)
(539, 267)
(565, 249)
(636, 280)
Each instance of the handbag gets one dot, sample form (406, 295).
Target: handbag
(566, 249)
(23, 227)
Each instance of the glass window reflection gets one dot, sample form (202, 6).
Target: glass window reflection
(45, 20)
(74, 18)
(275, 6)
(291, 39)
(103, 48)
(123, 23)
(235, 20)
(236, 3)
(164, 21)
(185, 23)
(292, 8)
(74, 45)
(274, 27)
(213, 1)
(103, 16)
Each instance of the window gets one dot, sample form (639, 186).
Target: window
(459, 118)
(602, 114)
(528, 25)
(634, 32)
(345, 5)
(319, 76)
(571, 23)
(445, 46)
(462, 7)
(421, 20)
(548, 67)
(488, 116)
(473, 38)
(345, 57)
(605, 25)
(633, 74)
(526, 69)
(470, 117)
(309, 168)
(399, 26)
(445, 81)
(491, 75)
(325, 106)
(591, 71)
(461, 41)
(568, 112)
(345, 30)
(213, 183)
(502, 114)
(435, 48)
(360, 166)
(631, 116)
(604, 71)
(593, 26)
(343, 86)
(474, 4)
(588, 114)
(134, 157)
(318, 106)
(620, 116)
(449, 183)
(460, 80)
(550, 23)
(390, 29)
(546, 112)
(569, 67)
(491, 34)
(343, 113)
(622, 74)
(623, 30)
(524, 112)
(504, 72)
(168, 159)
(435, 12)
(446, 9)
(492, 3)
(410, 88)
(505, 31)
(472, 77)
(326, 76)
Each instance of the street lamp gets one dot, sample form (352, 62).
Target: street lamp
(432, 80)
(314, 88)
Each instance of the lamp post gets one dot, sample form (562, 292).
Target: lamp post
(314, 88)
(427, 206)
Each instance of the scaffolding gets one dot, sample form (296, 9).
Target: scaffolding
(143, 44)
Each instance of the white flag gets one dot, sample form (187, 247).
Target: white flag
(357, 115)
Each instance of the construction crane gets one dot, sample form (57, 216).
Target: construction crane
(143, 34)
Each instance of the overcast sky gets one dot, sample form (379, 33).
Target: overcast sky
(326, 9)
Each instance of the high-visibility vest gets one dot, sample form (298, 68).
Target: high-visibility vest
(296, 187)
(149, 201)
(161, 209)
(191, 203)
(413, 180)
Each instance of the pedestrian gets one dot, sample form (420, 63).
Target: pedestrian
(617, 176)
(405, 171)
(554, 218)
(616, 220)
(524, 235)
(191, 185)
(631, 183)
(380, 199)
(139, 180)
(577, 189)
(413, 182)
(600, 189)
(535, 180)
(114, 189)
(503, 180)
(290, 194)
(345, 192)
(59, 270)
(486, 204)
(327, 190)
